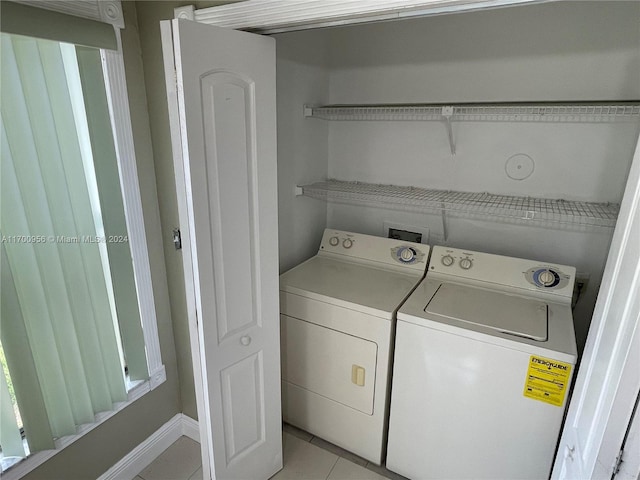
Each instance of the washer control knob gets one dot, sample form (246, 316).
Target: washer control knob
(347, 243)
(465, 264)
(546, 278)
(447, 260)
(407, 254)
(334, 241)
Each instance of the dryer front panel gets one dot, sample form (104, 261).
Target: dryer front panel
(330, 363)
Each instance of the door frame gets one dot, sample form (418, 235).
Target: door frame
(187, 238)
(593, 451)
(280, 16)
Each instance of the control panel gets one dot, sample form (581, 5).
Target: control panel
(377, 249)
(508, 271)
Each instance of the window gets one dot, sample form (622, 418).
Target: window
(78, 335)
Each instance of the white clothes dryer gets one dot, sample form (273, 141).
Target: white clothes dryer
(484, 357)
(338, 312)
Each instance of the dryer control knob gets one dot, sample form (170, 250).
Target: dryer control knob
(407, 254)
(347, 243)
(447, 260)
(546, 278)
(334, 241)
(465, 264)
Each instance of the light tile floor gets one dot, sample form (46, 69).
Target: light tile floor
(305, 458)
(181, 461)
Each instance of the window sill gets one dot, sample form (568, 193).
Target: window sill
(136, 390)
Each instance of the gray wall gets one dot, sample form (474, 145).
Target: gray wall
(150, 13)
(578, 50)
(302, 78)
(98, 450)
(558, 51)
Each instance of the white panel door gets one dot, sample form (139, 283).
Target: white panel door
(609, 377)
(223, 114)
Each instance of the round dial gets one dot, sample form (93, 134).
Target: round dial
(407, 254)
(447, 260)
(546, 278)
(347, 243)
(465, 264)
(333, 241)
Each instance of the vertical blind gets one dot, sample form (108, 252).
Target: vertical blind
(58, 325)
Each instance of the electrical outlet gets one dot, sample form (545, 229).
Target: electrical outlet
(580, 286)
(582, 280)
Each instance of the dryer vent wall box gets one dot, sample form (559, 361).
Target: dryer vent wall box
(491, 340)
(337, 317)
(398, 234)
(410, 233)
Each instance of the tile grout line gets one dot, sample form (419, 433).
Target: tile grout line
(193, 473)
(371, 467)
(334, 466)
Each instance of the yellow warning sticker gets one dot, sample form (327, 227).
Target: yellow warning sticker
(547, 380)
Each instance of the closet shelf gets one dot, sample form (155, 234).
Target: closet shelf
(505, 208)
(593, 112)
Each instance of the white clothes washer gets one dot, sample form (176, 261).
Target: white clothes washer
(484, 357)
(338, 312)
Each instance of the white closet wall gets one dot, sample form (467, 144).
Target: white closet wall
(566, 51)
(302, 77)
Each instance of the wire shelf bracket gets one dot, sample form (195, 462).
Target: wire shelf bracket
(447, 113)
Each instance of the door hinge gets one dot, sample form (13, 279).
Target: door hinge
(177, 239)
(619, 460)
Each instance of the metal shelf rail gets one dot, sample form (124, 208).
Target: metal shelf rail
(595, 112)
(512, 209)
(580, 112)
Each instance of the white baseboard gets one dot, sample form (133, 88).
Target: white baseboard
(145, 453)
(190, 428)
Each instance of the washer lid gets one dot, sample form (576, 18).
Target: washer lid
(368, 289)
(520, 316)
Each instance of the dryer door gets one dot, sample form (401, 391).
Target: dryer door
(330, 363)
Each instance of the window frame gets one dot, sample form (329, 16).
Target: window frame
(118, 100)
(120, 117)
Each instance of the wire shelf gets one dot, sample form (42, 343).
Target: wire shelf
(499, 112)
(506, 208)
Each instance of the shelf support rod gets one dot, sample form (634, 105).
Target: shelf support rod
(443, 212)
(447, 113)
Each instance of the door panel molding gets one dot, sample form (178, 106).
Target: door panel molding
(229, 116)
(241, 384)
